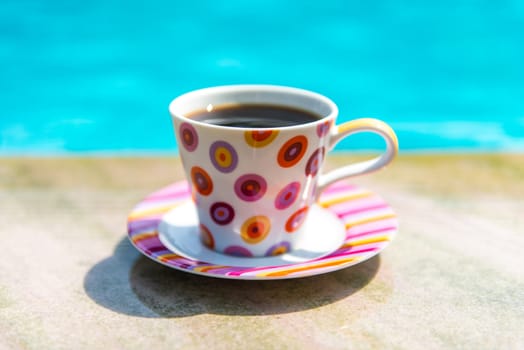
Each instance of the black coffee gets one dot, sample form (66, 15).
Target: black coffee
(254, 116)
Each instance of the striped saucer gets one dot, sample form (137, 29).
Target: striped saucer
(370, 225)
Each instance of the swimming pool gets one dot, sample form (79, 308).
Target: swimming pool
(97, 76)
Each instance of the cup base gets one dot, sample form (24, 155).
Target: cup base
(180, 231)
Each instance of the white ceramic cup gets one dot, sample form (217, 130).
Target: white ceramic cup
(253, 187)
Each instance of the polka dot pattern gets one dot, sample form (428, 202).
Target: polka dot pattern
(323, 128)
(260, 138)
(279, 248)
(292, 151)
(188, 136)
(238, 251)
(223, 156)
(206, 237)
(222, 213)
(201, 181)
(250, 187)
(246, 201)
(315, 162)
(255, 229)
(287, 195)
(296, 220)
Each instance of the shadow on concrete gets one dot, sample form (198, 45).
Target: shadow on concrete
(132, 284)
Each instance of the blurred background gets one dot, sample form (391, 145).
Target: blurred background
(96, 77)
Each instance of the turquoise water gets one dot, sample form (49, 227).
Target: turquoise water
(97, 76)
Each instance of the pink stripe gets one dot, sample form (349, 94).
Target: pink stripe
(341, 194)
(179, 260)
(172, 196)
(247, 270)
(371, 232)
(361, 210)
(176, 191)
(338, 187)
(344, 252)
(356, 203)
(152, 205)
(221, 270)
(375, 225)
(172, 188)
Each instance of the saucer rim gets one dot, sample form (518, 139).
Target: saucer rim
(306, 271)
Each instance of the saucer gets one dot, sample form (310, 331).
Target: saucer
(160, 227)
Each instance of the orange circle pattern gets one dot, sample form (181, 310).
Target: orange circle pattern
(206, 237)
(260, 138)
(292, 151)
(296, 220)
(201, 181)
(255, 229)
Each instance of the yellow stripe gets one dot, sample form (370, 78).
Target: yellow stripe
(167, 257)
(136, 215)
(366, 241)
(143, 236)
(368, 220)
(337, 200)
(207, 268)
(367, 123)
(306, 268)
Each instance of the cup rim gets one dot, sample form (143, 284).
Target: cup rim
(243, 88)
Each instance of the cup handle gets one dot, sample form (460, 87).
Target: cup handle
(355, 126)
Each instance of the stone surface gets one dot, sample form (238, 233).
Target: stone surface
(453, 278)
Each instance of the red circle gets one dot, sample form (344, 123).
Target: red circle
(292, 151)
(201, 181)
(296, 220)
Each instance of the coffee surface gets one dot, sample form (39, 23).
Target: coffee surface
(254, 116)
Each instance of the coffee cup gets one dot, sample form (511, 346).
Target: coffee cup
(253, 157)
